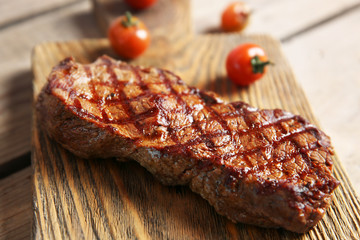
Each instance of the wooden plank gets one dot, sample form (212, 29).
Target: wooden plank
(87, 199)
(73, 22)
(280, 18)
(167, 19)
(327, 68)
(15, 165)
(16, 10)
(15, 205)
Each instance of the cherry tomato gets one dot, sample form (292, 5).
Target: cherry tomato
(140, 4)
(235, 17)
(246, 63)
(128, 36)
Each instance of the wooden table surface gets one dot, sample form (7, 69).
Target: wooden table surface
(320, 38)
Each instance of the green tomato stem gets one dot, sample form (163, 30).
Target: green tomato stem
(258, 66)
(129, 22)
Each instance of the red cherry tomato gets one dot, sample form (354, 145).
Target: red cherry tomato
(246, 63)
(140, 4)
(235, 17)
(128, 36)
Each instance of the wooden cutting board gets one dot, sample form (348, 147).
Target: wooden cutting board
(89, 199)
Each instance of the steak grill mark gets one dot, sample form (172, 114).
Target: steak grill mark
(205, 137)
(242, 141)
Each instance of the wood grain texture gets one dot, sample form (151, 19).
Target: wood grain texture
(166, 19)
(88, 199)
(76, 21)
(14, 11)
(328, 58)
(280, 18)
(15, 205)
(72, 22)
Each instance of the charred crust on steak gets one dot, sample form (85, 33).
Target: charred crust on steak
(264, 167)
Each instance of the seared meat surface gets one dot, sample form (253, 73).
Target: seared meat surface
(264, 167)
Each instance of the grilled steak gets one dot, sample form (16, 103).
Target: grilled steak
(264, 167)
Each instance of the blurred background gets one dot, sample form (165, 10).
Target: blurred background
(320, 39)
